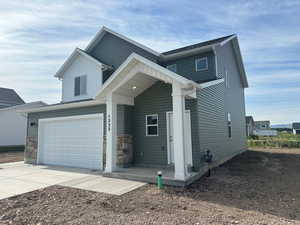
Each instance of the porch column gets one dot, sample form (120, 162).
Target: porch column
(178, 131)
(111, 134)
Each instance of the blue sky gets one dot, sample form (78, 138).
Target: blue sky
(37, 36)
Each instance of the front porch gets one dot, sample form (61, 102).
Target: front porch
(160, 130)
(149, 174)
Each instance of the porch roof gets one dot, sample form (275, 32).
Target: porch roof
(138, 73)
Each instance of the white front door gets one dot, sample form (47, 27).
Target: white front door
(187, 138)
(74, 141)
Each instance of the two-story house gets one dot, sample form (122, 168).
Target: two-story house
(129, 110)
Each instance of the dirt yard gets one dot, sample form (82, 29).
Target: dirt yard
(257, 187)
(11, 156)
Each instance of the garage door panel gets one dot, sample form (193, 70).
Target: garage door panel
(72, 142)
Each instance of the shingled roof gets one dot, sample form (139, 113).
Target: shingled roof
(9, 97)
(198, 45)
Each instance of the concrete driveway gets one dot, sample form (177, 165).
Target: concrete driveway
(18, 178)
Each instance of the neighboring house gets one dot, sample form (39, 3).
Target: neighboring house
(128, 109)
(296, 128)
(262, 125)
(13, 125)
(250, 126)
(9, 97)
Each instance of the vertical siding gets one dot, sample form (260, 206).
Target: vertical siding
(213, 104)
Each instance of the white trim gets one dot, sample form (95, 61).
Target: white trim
(210, 83)
(22, 105)
(216, 60)
(206, 64)
(134, 59)
(168, 134)
(227, 40)
(63, 106)
(64, 118)
(187, 52)
(100, 34)
(71, 58)
(151, 125)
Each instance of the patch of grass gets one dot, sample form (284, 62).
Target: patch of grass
(282, 140)
(17, 148)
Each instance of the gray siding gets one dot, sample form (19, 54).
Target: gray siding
(123, 114)
(157, 100)
(186, 67)
(213, 105)
(114, 51)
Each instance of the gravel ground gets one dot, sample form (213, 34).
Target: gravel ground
(11, 156)
(257, 187)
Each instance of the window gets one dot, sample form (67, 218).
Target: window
(229, 125)
(172, 67)
(227, 79)
(201, 64)
(152, 125)
(80, 85)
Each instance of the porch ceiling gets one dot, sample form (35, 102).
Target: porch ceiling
(136, 85)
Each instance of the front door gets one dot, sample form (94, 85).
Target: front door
(187, 138)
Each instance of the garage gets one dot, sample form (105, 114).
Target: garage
(74, 141)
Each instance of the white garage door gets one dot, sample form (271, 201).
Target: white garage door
(75, 141)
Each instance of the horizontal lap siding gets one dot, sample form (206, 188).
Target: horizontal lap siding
(213, 105)
(155, 100)
(123, 114)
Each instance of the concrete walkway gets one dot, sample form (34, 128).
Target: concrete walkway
(18, 178)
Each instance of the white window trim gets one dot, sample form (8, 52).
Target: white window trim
(174, 64)
(229, 124)
(227, 79)
(151, 125)
(81, 94)
(206, 67)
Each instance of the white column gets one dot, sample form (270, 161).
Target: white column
(178, 132)
(111, 134)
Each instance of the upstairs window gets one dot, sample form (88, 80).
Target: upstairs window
(229, 125)
(152, 125)
(201, 64)
(80, 85)
(172, 67)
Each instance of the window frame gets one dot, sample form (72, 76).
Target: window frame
(81, 93)
(174, 64)
(206, 62)
(151, 125)
(229, 125)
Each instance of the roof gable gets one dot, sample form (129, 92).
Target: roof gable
(105, 30)
(72, 58)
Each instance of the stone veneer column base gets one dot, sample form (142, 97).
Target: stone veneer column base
(124, 150)
(30, 155)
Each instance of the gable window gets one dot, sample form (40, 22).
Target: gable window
(172, 67)
(152, 125)
(201, 64)
(229, 125)
(80, 85)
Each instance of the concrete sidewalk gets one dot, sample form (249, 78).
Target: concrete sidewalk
(18, 178)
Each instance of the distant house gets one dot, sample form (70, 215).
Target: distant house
(8, 98)
(12, 124)
(263, 128)
(250, 125)
(262, 125)
(296, 128)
